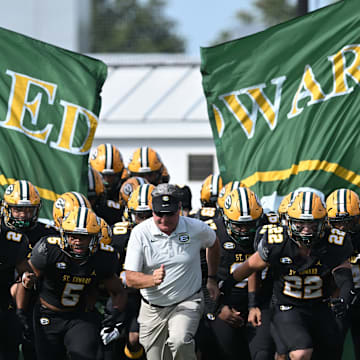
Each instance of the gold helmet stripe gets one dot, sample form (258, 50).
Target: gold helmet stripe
(244, 202)
(307, 203)
(341, 200)
(144, 157)
(108, 156)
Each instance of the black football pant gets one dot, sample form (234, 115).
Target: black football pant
(10, 330)
(58, 333)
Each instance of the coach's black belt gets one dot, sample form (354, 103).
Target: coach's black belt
(162, 306)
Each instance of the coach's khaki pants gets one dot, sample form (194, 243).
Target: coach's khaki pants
(168, 333)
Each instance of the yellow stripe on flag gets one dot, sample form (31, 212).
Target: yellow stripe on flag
(44, 193)
(305, 165)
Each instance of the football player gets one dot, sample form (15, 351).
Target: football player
(209, 193)
(21, 207)
(14, 249)
(139, 209)
(67, 267)
(342, 207)
(236, 229)
(108, 161)
(303, 258)
(145, 162)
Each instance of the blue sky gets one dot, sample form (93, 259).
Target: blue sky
(199, 21)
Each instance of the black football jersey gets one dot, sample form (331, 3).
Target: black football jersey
(206, 214)
(14, 248)
(232, 255)
(38, 231)
(111, 211)
(120, 237)
(65, 282)
(302, 280)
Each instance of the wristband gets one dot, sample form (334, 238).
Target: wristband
(212, 277)
(252, 301)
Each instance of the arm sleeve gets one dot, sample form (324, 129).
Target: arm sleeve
(39, 255)
(263, 248)
(344, 281)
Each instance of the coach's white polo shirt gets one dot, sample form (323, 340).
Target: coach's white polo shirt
(148, 248)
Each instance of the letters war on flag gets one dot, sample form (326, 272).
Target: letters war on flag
(49, 107)
(284, 104)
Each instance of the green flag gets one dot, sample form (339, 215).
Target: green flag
(49, 107)
(284, 103)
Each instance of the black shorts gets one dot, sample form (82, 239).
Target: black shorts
(58, 333)
(307, 327)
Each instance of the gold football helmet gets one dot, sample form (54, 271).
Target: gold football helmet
(210, 190)
(106, 232)
(283, 207)
(96, 187)
(65, 203)
(129, 186)
(225, 191)
(145, 162)
(242, 216)
(80, 233)
(21, 205)
(140, 204)
(306, 217)
(107, 159)
(342, 207)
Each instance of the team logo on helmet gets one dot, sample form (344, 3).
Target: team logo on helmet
(228, 202)
(60, 203)
(9, 189)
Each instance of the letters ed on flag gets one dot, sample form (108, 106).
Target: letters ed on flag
(284, 104)
(49, 107)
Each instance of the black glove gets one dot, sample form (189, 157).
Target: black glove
(338, 307)
(24, 320)
(113, 326)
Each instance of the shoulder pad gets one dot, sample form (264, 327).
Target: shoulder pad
(121, 228)
(211, 223)
(272, 218)
(54, 240)
(336, 237)
(113, 204)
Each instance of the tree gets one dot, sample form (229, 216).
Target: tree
(271, 12)
(133, 26)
